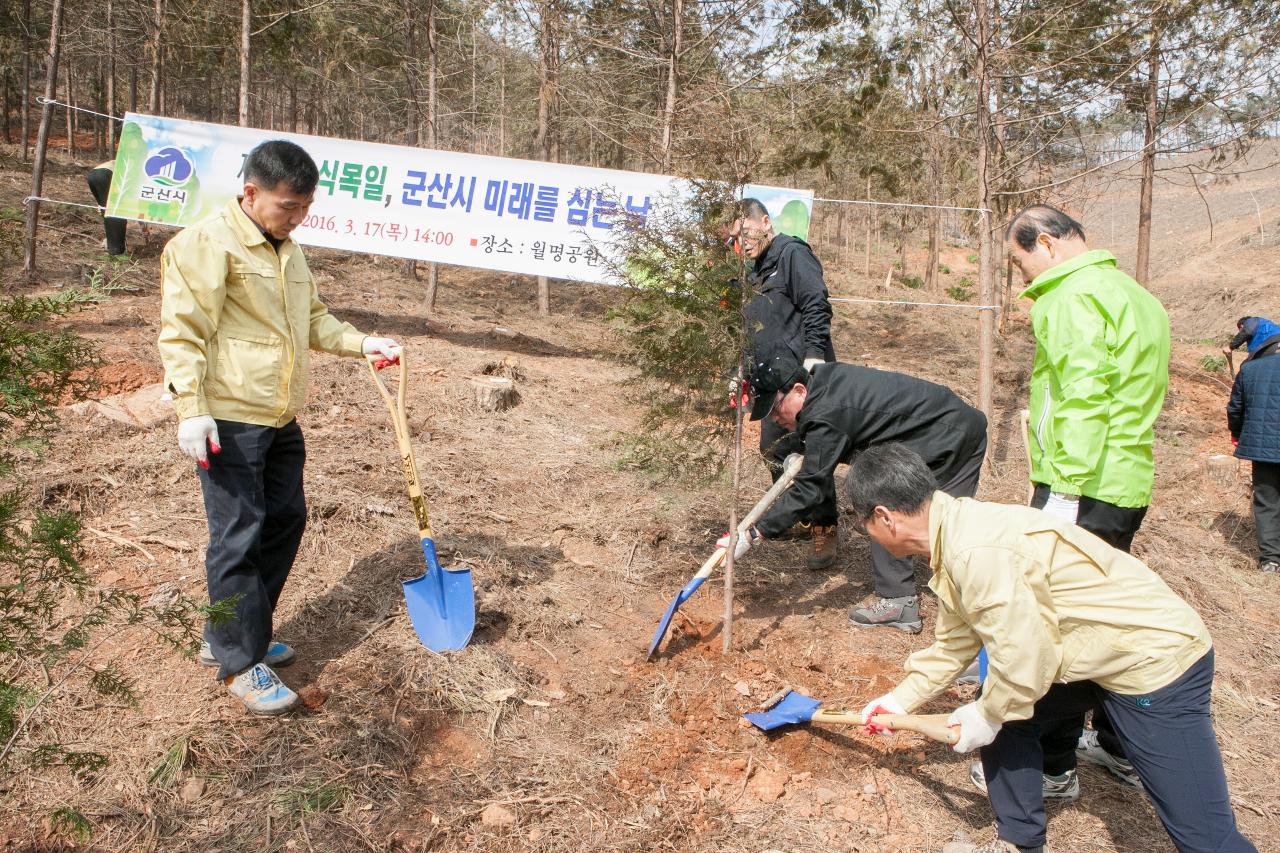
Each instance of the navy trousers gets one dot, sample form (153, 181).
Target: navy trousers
(1168, 736)
(99, 181)
(256, 512)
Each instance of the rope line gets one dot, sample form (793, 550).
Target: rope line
(918, 304)
(41, 99)
(901, 204)
(32, 198)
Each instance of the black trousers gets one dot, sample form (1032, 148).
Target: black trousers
(776, 444)
(1115, 525)
(1266, 509)
(256, 512)
(895, 577)
(1169, 737)
(100, 185)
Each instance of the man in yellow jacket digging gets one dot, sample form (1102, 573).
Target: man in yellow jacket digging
(239, 314)
(1067, 621)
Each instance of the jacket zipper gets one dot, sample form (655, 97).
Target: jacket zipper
(1044, 414)
(292, 341)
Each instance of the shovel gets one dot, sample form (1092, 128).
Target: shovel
(797, 708)
(442, 602)
(790, 468)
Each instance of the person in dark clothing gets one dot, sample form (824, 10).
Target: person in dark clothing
(99, 180)
(839, 410)
(1257, 332)
(789, 312)
(1252, 415)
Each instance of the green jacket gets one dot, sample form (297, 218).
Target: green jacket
(1098, 382)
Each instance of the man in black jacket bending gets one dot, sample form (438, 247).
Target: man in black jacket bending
(789, 313)
(839, 410)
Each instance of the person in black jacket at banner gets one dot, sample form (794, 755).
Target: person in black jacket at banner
(789, 313)
(1252, 416)
(839, 410)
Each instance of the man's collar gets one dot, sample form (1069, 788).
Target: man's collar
(939, 506)
(1044, 282)
(249, 232)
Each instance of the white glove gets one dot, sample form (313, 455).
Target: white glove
(975, 729)
(197, 437)
(385, 347)
(886, 704)
(745, 541)
(811, 363)
(1065, 507)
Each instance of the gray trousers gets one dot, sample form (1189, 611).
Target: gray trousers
(256, 512)
(1266, 509)
(895, 577)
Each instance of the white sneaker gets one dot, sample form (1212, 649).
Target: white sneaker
(261, 690)
(1090, 749)
(1061, 789)
(278, 654)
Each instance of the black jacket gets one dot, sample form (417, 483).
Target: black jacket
(790, 310)
(1253, 414)
(850, 408)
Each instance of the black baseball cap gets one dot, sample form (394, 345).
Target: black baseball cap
(768, 377)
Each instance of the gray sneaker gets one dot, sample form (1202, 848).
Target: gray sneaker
(261, 690)
(1270, 567)
(1091, 750)
(1060, 789)
(900, 613)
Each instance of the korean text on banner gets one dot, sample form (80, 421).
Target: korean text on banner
(494, 213)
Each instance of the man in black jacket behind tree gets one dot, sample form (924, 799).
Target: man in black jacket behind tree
(789, 313)
(839, 410)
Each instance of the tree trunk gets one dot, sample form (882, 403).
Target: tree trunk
(673, 70)
(866, 261)
(986, 281)
(246, 59)
(111, 74)
(1141, 267)
(26, 79)
(548, 81)
(42, 138)
(411, 120)
(133, 87)
(433, 60)
(154, 105)
(8, 107)
(70, 113)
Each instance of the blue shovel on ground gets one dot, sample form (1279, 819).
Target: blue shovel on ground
(787, 707)
(442, 602)
(790, 468)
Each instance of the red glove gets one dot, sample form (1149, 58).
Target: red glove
(1235, 442)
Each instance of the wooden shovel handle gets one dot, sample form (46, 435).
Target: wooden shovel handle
(397, 407)
(932, 726)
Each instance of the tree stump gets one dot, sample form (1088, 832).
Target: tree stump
(494, 393)
(1222, 470)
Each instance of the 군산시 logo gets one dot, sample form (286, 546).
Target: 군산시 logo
(168, 166)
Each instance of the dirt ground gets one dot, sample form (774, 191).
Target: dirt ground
(551, 732)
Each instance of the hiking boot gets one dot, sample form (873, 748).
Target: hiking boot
(1090, 749)
(1270, 567)
(994, 846)
(1060, 789)
(278, 654)
(825, 540)
(799, 530)
(261, 690)
(900, 613)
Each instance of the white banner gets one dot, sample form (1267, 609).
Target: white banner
(498, 213)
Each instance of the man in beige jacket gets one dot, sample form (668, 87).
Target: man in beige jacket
(1066, 620)
(239, 315)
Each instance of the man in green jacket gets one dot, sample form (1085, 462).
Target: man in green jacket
(239, 313)
(1097, 384)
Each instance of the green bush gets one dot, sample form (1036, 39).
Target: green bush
(915, 282)
(971, 258)
(944, 269)
(1213, 363)
(52, 616)
(960, 294)
(965, 281)
(680, 328)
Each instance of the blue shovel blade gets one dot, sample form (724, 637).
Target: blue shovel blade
(794, 708)
(665, 622)
(441, 604)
